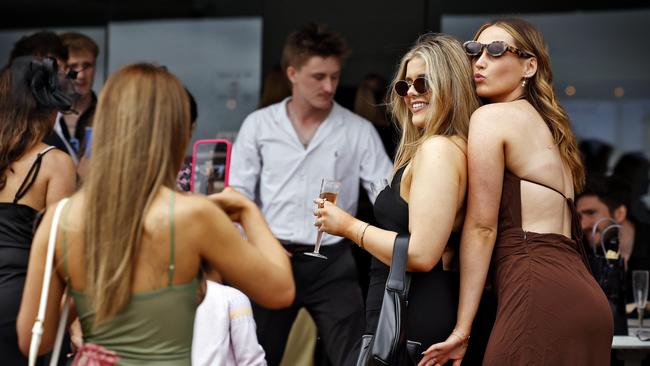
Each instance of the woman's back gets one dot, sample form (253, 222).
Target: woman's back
(30, 185)
(53, 180)
(536, 259)
(165, 282)
(531, 154)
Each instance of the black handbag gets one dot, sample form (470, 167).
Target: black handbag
(389, 345)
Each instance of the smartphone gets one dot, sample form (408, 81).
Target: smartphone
(210, 166)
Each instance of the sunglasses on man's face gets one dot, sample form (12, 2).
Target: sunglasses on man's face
(494, 49)
(420, 85)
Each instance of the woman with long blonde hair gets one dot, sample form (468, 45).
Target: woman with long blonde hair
(432, 98)
(524, 170)
(130, 248)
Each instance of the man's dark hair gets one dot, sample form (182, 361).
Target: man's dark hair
(634, 168)
(612, 191)
(312, 40)
(40, 44)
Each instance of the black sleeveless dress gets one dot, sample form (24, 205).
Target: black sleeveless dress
(16, 233)
(433, 296)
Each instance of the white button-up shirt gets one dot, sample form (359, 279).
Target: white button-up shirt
(269, 156)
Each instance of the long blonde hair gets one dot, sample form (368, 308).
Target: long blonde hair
(453, 98)
(140, 132)
(540, 94)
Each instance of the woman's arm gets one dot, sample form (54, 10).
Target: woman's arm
(486, 164)
(258, 266)
(437, 171)
(32, 293)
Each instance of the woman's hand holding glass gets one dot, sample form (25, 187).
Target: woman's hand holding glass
(333, 220)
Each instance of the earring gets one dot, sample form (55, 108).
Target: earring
(523, 83)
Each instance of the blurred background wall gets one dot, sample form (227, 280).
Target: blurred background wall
(599, 49)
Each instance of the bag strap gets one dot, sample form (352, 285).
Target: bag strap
(398, 279)
(37, 330)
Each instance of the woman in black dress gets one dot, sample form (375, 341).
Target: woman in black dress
(32, 175)
(432, 98)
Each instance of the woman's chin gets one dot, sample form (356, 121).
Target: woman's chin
(418, 122)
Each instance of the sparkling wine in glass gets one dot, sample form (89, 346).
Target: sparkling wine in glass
(329, 190)
(640, 288)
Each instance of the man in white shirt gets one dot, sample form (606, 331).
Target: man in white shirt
(281, 154)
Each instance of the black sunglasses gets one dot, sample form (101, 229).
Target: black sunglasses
(495, 49)
(420, 84)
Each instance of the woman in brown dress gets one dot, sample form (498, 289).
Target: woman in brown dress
(524, 169)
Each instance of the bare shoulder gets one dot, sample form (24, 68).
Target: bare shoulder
(192, 208)
(497, 115)
(443, 146)
(57, 159)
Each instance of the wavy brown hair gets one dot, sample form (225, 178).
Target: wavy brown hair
(453, 98)
(540, 94)
(141, 129)
(23, 123)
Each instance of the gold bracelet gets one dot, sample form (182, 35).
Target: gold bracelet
(362, 234)
(463, 338)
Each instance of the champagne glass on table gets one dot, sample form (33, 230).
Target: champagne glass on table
(329, 190)
(640, 288)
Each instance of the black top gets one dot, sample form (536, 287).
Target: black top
(640, 257)
(433, 296)
(16, 233)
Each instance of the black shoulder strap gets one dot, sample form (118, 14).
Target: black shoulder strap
(31, 175)
(397, 277)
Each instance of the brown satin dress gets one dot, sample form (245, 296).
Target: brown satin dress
(550, 309)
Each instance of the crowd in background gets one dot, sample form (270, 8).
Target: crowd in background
(138, 255)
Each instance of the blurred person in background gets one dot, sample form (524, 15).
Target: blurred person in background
(634, 168)
(281, 154)
(33, 175)
(82, 59)
(47, 44)
(611, 198)
(131, 249)
(276, 87)
(370, 103)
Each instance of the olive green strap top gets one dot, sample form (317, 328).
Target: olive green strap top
(155, 326)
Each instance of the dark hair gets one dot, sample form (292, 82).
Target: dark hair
(25, 113)
(612, 191)
(312, 40)
(41, 44)
(595, 155)
(194, 110)
(633, 167)
(75, 42)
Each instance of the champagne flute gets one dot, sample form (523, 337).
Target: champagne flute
(640, 288)
(329, 190)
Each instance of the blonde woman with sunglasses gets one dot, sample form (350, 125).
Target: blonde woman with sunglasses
(524, 171)
(432, 98)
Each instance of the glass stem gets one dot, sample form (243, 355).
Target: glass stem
(318, 239)
(640, 312)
